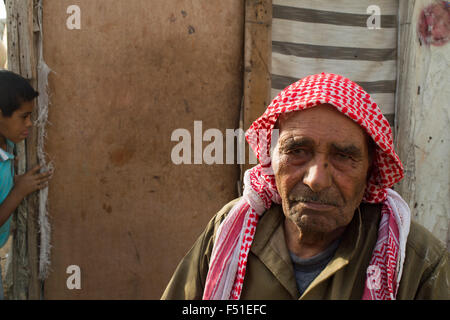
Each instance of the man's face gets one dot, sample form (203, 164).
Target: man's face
(17, 127)
(321, 164)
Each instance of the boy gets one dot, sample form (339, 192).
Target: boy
(16, 105)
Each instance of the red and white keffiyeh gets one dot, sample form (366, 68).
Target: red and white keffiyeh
(235, 234)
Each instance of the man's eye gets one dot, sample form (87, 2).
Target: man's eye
(298, 151)
(343, 156)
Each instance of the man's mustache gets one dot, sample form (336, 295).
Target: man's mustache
(310, 196)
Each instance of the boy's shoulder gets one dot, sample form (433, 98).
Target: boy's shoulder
(6, 168)
(7, 154)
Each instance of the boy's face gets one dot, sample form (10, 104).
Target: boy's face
(17, 127)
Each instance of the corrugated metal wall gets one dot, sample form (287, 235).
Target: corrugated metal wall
(310, 37)
(314, 36)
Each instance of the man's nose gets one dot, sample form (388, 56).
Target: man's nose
(28, 122)
(318, 176)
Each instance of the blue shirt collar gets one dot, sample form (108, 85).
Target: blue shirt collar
(4, 155)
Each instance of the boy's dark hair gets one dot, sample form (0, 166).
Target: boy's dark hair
(14, 90)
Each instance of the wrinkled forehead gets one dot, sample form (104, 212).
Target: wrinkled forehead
(321, 121)
(321, 124)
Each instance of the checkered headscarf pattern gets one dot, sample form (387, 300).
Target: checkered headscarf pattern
(351, 100)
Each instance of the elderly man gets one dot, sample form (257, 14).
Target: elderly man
(318, 219)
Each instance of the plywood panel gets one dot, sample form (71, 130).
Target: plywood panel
(135, 71)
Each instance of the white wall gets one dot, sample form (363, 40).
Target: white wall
(423, 115)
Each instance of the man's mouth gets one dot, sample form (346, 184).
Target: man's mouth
(316, 206)
(312, 204)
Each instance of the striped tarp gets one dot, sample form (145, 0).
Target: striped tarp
(314, 36)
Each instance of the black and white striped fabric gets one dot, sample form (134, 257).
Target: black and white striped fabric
(314, 36)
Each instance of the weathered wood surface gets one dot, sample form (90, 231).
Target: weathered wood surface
(20, 34)
(422, 123)
(257, 62)
(23, 275)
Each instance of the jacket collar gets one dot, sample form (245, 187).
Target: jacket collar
(269, 245)
(5, 155)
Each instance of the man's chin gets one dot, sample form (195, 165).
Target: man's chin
(313, 221)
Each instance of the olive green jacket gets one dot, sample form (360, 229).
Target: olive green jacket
(270, 273)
